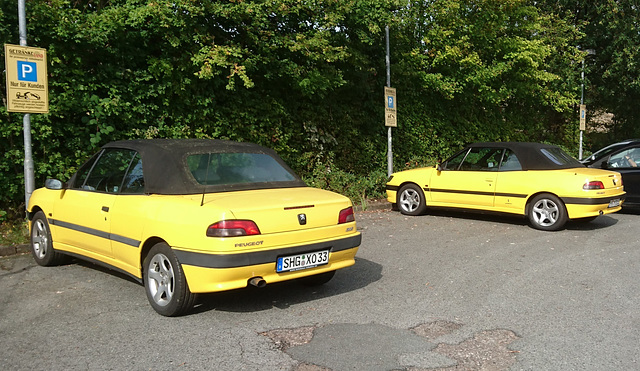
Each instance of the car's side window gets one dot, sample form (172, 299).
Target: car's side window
(107, 173)
(559, 157)
(83, 172)
(454, 162)
(510, 161)
(482, 159)
(629, 158)
(134, 180)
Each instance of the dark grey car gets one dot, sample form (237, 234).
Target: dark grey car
(623, 157)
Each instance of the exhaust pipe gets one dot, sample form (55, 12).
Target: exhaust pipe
(258, 282)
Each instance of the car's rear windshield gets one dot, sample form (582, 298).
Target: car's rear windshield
(605, 151)
(237, 168)
(560, 157)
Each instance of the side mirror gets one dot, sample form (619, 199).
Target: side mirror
(604, 164)
(53, 184)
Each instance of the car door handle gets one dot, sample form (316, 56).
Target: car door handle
(105, 209)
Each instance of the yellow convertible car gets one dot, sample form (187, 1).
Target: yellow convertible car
(537, 180)
(193, 216)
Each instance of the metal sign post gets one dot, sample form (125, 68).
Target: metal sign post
(390, 108)
(583, 112)
(29, 181)
(583, 107)
(27, 90)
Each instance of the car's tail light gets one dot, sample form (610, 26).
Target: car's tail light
(346, 215)
(593, 185)
(233, 228)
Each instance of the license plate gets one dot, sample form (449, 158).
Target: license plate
(614, 203)
(302, 261)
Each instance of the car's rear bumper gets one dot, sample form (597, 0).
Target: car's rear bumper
(587, 207)
(221, 272)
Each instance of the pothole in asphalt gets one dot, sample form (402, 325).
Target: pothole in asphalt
(376, 347)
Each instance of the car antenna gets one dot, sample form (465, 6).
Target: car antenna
(206, 179)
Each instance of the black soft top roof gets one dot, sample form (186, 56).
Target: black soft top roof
(531, 156)
(165, 167)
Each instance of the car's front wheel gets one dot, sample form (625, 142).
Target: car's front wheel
(41, 243)
(547, 213)
(411, 200)
(165, 283)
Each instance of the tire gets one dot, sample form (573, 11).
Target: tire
(318, 279)
(42, 244)
(411, 200)
(547, 213)
(165, 283)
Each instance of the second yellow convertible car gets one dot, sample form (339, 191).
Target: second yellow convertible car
(537, 180)
(193, 216)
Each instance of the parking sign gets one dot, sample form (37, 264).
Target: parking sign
(27, 86)
(27, 71)
(390, 109)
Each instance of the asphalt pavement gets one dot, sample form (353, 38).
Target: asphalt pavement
(443, 291)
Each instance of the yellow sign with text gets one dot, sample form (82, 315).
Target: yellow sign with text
(27, 86)
(390, 107)
(583, 117)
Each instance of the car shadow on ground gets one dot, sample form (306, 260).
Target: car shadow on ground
(600, 222)
(95, 265)
(284, 294)
(279, 295)
(487, 216)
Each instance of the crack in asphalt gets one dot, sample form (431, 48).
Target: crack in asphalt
(12, 271)
(487, 351)
(378, 347)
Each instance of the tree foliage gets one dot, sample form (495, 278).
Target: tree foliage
(306, 78)
(486, 70)
(612, 74)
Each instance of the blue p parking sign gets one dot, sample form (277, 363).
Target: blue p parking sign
(27, 71)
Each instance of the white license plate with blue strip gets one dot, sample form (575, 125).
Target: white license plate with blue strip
(302, 261)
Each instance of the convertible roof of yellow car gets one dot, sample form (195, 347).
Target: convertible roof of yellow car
(165, 166)
(536, 156)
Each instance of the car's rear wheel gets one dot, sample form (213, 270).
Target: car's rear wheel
(411, 200)
(317, 279)
(165, 283)
(41, 243)
(547, 212)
